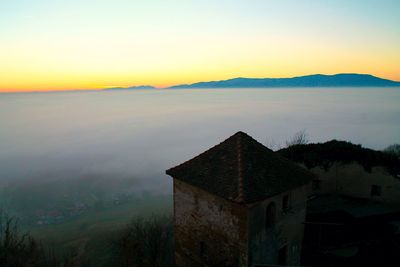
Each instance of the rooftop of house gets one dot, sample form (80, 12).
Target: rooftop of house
(241, 170)
(353, 207)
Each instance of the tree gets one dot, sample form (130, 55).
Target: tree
(144, 242)
(393, 149)
(299, 138)
(19, 249)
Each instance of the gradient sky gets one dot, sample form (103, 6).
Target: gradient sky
(89, 44)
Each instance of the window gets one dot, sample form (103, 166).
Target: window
(282, 255)
(316, 185)
(376, 190)
(270, 215)
(196, 202)
(285, 203)
(203, 250)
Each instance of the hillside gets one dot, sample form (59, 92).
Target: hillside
(325, 154)
(316, 80)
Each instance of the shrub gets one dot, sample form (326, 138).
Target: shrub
(144, 242)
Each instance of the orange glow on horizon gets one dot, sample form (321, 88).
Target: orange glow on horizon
(39, 86)
(89, 45)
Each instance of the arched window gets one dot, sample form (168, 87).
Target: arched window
(285, 203)
(270, 215)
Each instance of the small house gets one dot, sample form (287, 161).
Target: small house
(239, 204)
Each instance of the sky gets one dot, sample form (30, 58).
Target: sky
(93, 44)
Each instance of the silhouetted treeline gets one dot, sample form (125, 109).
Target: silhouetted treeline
(144, 242)
(18, 249)
(393, 149)
(325, 154)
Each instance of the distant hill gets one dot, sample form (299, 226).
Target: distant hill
(316, 80)
(131, 87)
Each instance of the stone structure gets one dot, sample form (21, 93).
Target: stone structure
(239, 204)
(354, 181)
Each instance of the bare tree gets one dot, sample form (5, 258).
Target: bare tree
(299, 138)
(393, 149)
(144, 242)
(21, 249)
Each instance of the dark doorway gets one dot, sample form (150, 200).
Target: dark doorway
(203, 250)
(270, 215)
(285, 203)
(282, 256)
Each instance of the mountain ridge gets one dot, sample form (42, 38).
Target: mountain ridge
(313, 80)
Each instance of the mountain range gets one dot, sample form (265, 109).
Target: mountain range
(315, 80)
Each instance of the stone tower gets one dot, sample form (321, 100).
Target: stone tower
(239, 204)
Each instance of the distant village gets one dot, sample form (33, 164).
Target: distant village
(60, 214)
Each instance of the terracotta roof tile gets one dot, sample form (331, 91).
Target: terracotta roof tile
(242, 170)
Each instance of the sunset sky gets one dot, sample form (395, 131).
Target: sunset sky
(91, 44)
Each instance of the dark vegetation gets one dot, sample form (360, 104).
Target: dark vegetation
(144, 242)
(75, 218)
(325, 154)
(393, 149)
(18, 249)
(299, 138)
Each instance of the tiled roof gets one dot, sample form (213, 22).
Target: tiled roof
(242, 170)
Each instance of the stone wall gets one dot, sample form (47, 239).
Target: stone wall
(354, 181)
(209, 230)
(287, 232)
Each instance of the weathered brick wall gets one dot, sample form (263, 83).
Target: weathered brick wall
(354, 181)
(218, 223)
(264, 243)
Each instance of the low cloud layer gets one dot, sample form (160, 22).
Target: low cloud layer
(137, 135)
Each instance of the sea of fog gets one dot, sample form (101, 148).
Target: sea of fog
(131, 137)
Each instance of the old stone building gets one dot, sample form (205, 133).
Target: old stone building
(239, 204)
(349, 170)
(353, 180)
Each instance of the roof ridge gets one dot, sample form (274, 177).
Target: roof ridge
(240, 197)
(210, 149)
(242, 170)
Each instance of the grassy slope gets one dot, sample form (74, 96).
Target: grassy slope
(89, 234)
